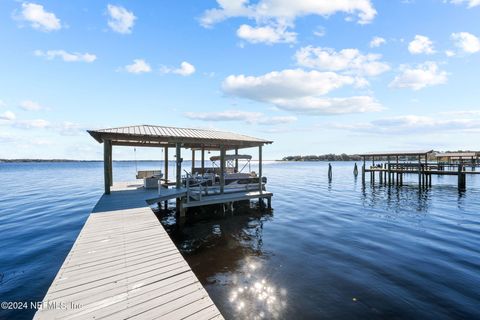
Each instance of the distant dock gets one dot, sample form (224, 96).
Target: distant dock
(391, 167)
(124, 265)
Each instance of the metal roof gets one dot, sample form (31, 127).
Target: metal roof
(396, 153)
(457, 155)
(158, 136)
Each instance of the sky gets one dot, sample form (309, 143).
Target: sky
(315, 77)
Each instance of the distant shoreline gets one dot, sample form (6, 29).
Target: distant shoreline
(70, 160)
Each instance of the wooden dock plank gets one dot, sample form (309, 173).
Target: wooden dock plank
(124, 265)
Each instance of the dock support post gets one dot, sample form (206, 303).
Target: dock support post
(385, 173)
(236, 160)
(373, 172)
(363, 171)
(419, 172)
(203, 160)
(389, 171)
(269, 203)
(178, 157)
(461, 178)
(178, 183)
(222, 169)
(260, 169)
(165, 170)
(330, 173)
(380, 176)
(355, 170)
(397, 180)
(193, 160)
(110, 164)
(107, 164)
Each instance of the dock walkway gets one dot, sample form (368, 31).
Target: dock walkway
(124, 265)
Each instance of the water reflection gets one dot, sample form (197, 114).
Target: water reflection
(226, 249)
(396, 199)
(254, 296)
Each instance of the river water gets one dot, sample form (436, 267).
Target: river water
(327, 249)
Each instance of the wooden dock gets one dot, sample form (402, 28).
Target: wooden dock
(391, 170)
(124, 265)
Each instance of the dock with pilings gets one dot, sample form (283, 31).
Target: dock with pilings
(187, 196)
(124, 265)
(389, 168)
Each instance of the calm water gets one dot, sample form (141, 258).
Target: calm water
(326, 251)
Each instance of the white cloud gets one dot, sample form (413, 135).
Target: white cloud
(412, 124)
(298, 90)
(266, 34)
(421, 76)
(316, 105)
(29, 105)
(352, 61)
(66, 56)
(449, 53)
(68, 128)
(2, 104)
(185, 69)
(121, 20)
(286, 84)
(320, 31)
(38, 18)
(287, 11)
(466, 42)
(35, 123)
(470, 3)
(421, 44)
(462, 113)
(138, 66)
(7, 115)
(243, 116)
(377, 42)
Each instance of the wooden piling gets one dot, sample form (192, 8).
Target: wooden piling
(203, 160)
(419, 171)
(330, 175)
(363, 171)
(107, 164)
(236, 160)
(165, 172)
(461, 178)
(179, 210)
(222, 169)
(260, 168)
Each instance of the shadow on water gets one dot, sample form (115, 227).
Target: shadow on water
(226, 250)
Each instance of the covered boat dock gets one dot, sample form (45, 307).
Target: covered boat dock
(392, 166)
(197, 140)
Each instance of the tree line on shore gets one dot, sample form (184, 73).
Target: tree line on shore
(356, 157)
(325, 157)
